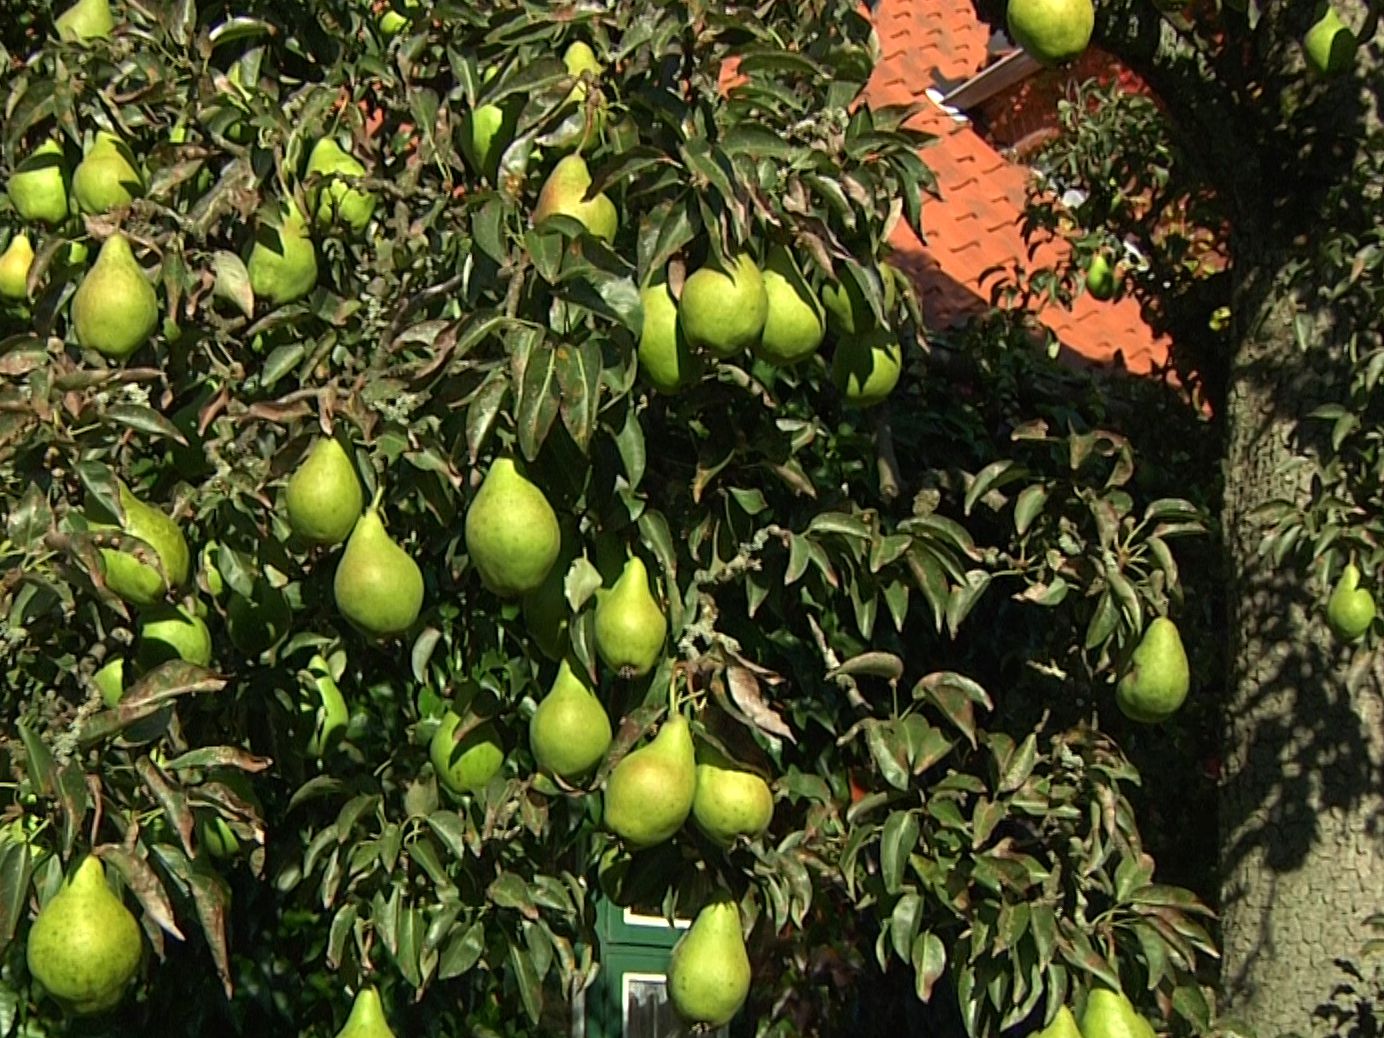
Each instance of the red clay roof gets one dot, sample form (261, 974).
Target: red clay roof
(973, 232)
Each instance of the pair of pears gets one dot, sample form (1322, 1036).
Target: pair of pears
(868, 360)
(653, 790)
(1107, 1014)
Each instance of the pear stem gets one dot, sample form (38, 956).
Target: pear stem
(375, 501)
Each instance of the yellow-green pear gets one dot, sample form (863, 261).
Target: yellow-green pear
(1329, 45)
(283, 262)
(730, 801)
(85, 945)
(579, 58)
(1100, 278)
(335, 199)
(512, 533)
(1052, 32)
(1063, 1026)
(110, 682)
(665, 357)
(1158, 677)
(487, 131)
(115, 309)
(378, 587)
(564, 194)
(793, 323)
(630, 626)
(139, 582)
(1109, 1014)
(106, 178)
(465, 765)
(569, 733)
(866, 366)
(649, 792)
(85, 20)
(1350, 609)
(723, 311)
(709, 970)
(38, 187)
(323, 498)
(367, 1017)
(331, 714)
(15, 262)
(172, 632)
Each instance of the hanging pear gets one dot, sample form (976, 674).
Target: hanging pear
(564, 193)
(665, 357)
(139, 582)
(283, 262)
(512, 533)
(367, 1017)
(1350, 609)
(794, 325)
(115, 309)
(730, 801)
(15, 262)
(1063, 1026)
(709, 971)
(85, 20)
(110, 682)
(335, 199)
(866, 366)
(488, 130)
(649, 793)
(378, 588)
(1329, 46)
(630, 626)
(569, 733)
(323, 498)
(38, 187)
(465, 765)
(172, 632)
(1158, 678)
(723, 310)
(85, 945)
(106, 178)
(1109, 1014)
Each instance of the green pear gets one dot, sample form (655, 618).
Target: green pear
(569, 733)
(110, 682)
(1109, 1014)
(546, 614)
(866, 366)
(512, 533)
(465, 765)
(488, 130)
(1158, 677)
(847, 309)
(709, 970)
(378, 588)
(649, 792)
(106, 178)
(283, 262)
(793, 323)
(331, 714)
(665, 357)
(115, 309)
(15, 262)
(335, 199)
(1063, 1026)
(564, 194)
(723, 311)
(172, 633)
(38, 187)
(85, 20)
(630, 626)
(579, 58)
(1329, 45)
(85, 945)
(323, 498)
(139, 582)
(1350, 609)
(1100, 278)
(730, 801)
(367, 1017)
(217, 838)
(1051, 32)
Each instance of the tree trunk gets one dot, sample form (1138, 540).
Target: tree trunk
(1302, 833)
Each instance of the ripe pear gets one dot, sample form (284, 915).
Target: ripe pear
(139, 582)
(709, 970)
(283, 262)
(378, 588)
(367, 1017)
(866, 366)
(85, 945)
(15, 262)
(724, 311)
(334, 198)
(1052, 32)
(730, 801)
(1063, 1026)
(38, 187)
(115, 309)
(1100, 278)
(649, 793)
(323, 498)
(465, 765)
(110, 682)
(564, 194)
(1109, 1014)
(106, 178)
(1158, 677)
(630, 626)
(569, 733)
(173, 633)
(794, 324)
(512, 533)
(85, 20)
(665, 357)
(1350, 609)
(1329, 45)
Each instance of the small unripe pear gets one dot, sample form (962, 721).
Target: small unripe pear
(709, 971)
(15, 262)
(569, 733)
(1350, 609)
(106, 178)
(649, 792)
(367, 1017)
(630, 626)
(110, 682)
(85, 20)
(283, 261)
(512, 533)
(377, 587)
(115, 309)
(1158, 678)
(1329, 45)
(38, 188)
(323, 498)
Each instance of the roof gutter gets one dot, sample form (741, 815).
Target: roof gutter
(995, 78)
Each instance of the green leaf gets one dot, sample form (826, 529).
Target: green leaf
(897, 842)
(462, 951)
(929, 958)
